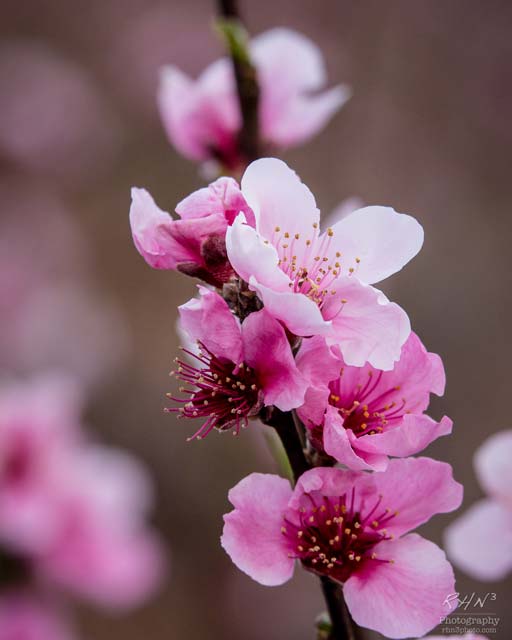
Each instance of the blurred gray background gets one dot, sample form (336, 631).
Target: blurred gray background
(428, 131)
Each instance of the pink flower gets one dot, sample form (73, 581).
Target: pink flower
(72, 513)
(194, 244)
(467, 539)
(360, 415)
(202, 118)
(319, 284)
(240, 367)
(38, 426)
(102, 549)
(351, 526)
(24, 617)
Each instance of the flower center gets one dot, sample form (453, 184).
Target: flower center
(363, 411)
(224, 393)
(312, 265)
(333, 538)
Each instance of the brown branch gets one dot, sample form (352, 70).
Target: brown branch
(285, 424)
(245, 76)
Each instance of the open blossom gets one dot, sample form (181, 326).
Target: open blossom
(320, 283)
(195, 243)
(72, 514)
(467, 539)
(354, 528)
(202, 117)
(360, 415)
(240, 367)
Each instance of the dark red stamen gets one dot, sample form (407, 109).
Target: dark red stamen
(332, 537)
(223, 392)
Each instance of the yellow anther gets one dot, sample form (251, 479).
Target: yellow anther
(330, 232)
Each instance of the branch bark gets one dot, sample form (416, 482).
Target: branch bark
(245, 77)
(286, 428)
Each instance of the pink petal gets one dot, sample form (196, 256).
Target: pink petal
(417, 488)
(329, 481)
(268, 352)
(178, 102)
(296, 311)
(221, 109)
(279, 199)
(337, 443)
(405, 598)
(302, 116)
(252, 531)
(317, 362)
(493, 467)
(251, 257)
(410, 436)
(418, 373)
(209, 320)
(470, 546)
(367, 327)
(316, 402)
(381, 238)
(151, 230)
(287, 57)
(222, 198)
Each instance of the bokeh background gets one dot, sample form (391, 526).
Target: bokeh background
(427, 131)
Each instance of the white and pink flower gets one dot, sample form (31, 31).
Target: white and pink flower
(354, 528)
(202, 117)
(361, 415)
(320, 283)
(467, 539)
(239, 369)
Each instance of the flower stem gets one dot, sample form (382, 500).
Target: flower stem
(235, 35)
(287, 427)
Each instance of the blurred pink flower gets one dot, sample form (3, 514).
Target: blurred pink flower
(195, 244)
(360, 415)
(74, 513)
(319, 284)
(25, 617)
(202, 117)
(38, 427)
(54, 120)
(353, 527)
(102, 549)
(467, 539)
(239, 368)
